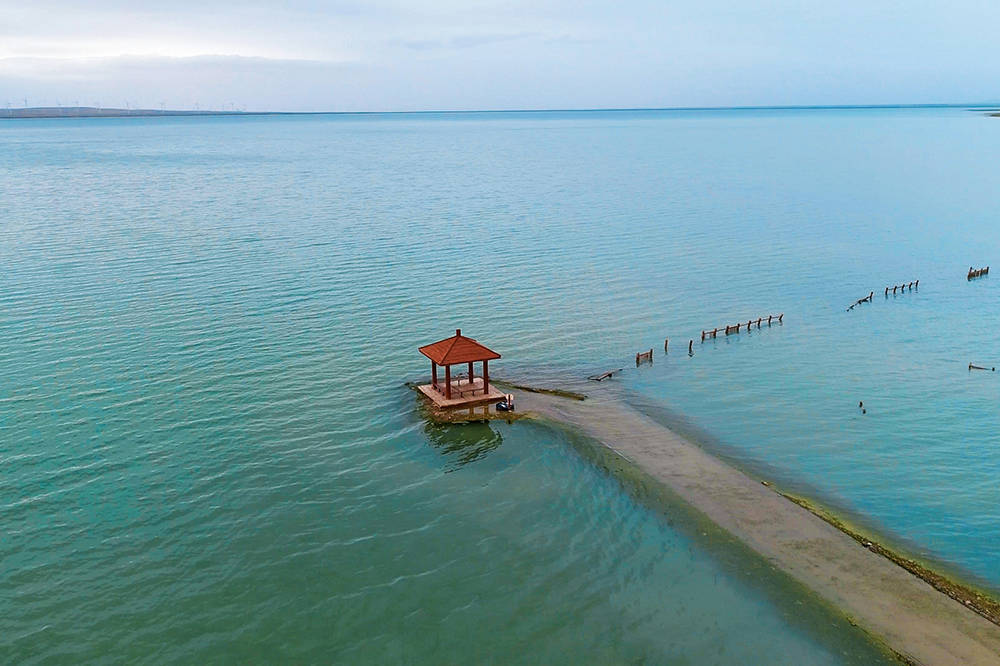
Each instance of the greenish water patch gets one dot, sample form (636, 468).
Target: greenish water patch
(464, 443)
(559, 393)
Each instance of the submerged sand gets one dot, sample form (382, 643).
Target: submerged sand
(914, 619)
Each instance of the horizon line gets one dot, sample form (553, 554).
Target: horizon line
(62, 111)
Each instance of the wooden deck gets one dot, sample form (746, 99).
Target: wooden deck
(463, 393)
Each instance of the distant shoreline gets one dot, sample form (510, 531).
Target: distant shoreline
(96, 112)
(100, 112)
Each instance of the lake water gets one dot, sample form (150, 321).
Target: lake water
(208, 451)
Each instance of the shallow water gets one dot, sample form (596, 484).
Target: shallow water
(208, 451)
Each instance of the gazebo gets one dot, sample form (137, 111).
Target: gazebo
(470, 390)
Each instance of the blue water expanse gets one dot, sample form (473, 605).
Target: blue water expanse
(208, 452)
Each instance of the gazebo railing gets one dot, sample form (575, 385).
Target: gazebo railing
(462, 386)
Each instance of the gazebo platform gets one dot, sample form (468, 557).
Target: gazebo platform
(463, 393)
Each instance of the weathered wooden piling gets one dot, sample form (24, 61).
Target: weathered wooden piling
(604, 375)
(643, 357)
(866, 299)
(691, 347)
(666, 342)
(978, 272)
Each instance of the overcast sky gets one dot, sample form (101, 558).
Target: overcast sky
(487, 54)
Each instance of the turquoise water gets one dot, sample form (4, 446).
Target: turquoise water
(208, 451)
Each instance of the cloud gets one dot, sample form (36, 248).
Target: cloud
(435, 54)
(464, 41)
(214, 81)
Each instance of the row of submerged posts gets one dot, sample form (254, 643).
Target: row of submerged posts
(903, 287)
(729, 329)
(736, 328)
(896, 287)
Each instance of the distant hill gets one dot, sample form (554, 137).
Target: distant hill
(98, 112)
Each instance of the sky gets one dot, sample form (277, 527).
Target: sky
(391, 55)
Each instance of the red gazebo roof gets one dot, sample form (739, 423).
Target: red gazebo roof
(457, 349)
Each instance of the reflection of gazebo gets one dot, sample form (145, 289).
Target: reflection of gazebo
(460, 350)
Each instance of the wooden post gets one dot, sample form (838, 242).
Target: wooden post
(691, 347)
(470, 372)
(434, 374)
(666, 341)
(447, 382)
(486, 377)
(780, 317)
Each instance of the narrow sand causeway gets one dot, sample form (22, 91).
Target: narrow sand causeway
(914, 619)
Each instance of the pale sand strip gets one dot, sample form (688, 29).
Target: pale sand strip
(917, 621)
